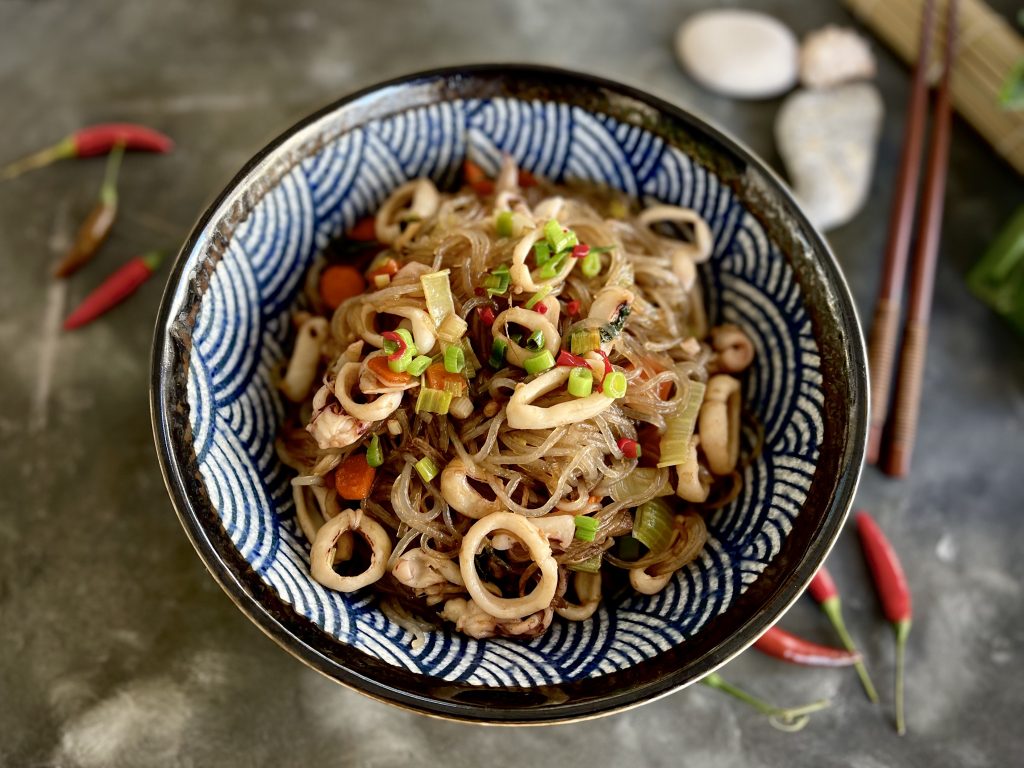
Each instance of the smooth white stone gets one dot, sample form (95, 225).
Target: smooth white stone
(744, 54)
(828, 141)
(835, 55)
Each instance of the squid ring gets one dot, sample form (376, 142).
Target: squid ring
(302, 367)
(719, 424)
(321, 558)
(588, 591)
(528, 319)
(422, 199)
(539, 549)
(522, 415)
(461, 496)
(692, 486)
(646, 584)
(380, 408)
(424, 333)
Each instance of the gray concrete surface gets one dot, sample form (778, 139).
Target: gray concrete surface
(117, 649)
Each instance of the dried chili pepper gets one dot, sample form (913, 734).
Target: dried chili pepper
(824, 590)
(97, 225)
(784, 718)
(121, 284)
(891, 584)
(91, 141)
(788, 647)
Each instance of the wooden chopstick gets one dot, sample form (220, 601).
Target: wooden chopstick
(888, 305)
(915, 334)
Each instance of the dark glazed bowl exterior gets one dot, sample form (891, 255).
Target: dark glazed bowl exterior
(843, 369)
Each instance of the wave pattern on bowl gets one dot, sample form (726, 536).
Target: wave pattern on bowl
(242, 328)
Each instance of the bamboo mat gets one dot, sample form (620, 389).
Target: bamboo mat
(988, 50)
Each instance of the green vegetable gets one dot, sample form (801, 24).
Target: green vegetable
(538, 297)
(497, 283)
(543, 361)
(998, 278)
(614, 384)
(584, 340)
(454, 359)
(613, 327)
(627, 548)
(558, 237)
(536, 341)
(452, 329)
(374, 454)
(1011, 95)
(433, 400)
(504, 224)
(472, 361)
(437, 292)
(581, 382)
(418, 365)
(498, 351)
(591, 264)
(639, 481)
(541, 253)
(401, 365)
(426, 469)
(590, 565)
(586, 527)
(675, 443)
(653, 525)
(551, 269)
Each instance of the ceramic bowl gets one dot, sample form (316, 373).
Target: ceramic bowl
(223, 327)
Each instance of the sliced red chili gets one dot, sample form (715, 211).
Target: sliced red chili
(486, 315)
(580, 251)
(569, 360)
(630, 448)
(392, 336)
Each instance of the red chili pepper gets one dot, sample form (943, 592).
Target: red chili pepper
(476, 178)
(526, 179)
(572, 308)
(607, 368)
(118, 286)
(91, 141)
(540, 308)
(893, 591)
(364, 230)
(580, 251)
(97, 225)
(402, 346)
(486, 315)
(630, 448)
(823, 589)
(783, 645)
(569, 360)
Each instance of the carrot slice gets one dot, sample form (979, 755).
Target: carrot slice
(353, 478)
(339, 282)
(379, 366)
(526, 179)
(439, 378)
(387, 267)
(364, 230)
(476, 178)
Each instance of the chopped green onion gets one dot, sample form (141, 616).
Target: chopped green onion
(541, 253)
(581, 382)
(497, 283)
(675, 443)
(433, 400)
(452, 328)
(437, 292)
(590, 266)
(461, 407)
(374, 454)
(544, 361)
(538, 297)
(418, 365)
(426, 469)
(536, 341)
(472, 361)
(558, 237)
(498, 351)
(586, 527)
(614, 384)
(501, 269)
(454, 359)
(552, 267)
(401, 365)
(406, 336)
(584, 340)
(504, 224)
(590, 565)
(653, 525)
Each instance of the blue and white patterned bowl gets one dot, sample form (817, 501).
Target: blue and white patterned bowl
(223, 326)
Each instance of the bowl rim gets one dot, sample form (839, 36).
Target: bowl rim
(554, 711)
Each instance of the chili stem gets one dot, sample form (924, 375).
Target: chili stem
(108, 192)
(832, 610)
(787, 715)
(902, 632)
(60, 151)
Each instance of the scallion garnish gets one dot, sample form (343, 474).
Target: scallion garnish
(675, 443)
(590, 565)
(454, 359)
(581, 382)
(426, 469)
(536, 341)
(374, 453)
(558, 237)
(418, 365)
(614, 384)
(590, 265)
(504, 224)
(541, 253)
(652, 525)
(586, 527)
(538, 297)
(552, 267)
(498, 351)
(584, 340)
(543, 361)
